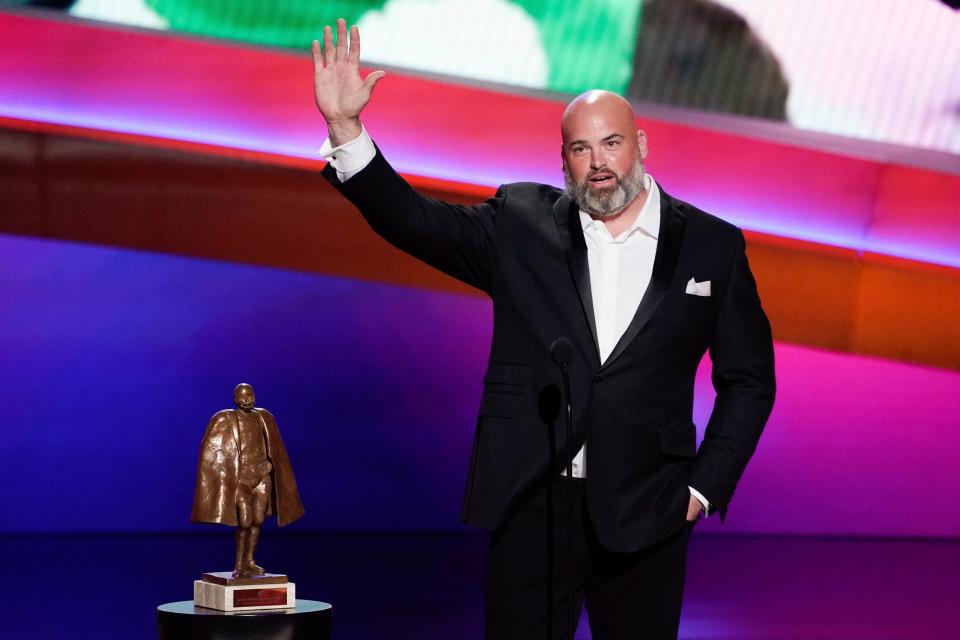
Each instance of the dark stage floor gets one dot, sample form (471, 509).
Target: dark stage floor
(428, 586)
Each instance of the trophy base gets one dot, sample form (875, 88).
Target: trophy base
(221, 591)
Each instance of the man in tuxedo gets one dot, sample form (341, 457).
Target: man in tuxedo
(643, 285)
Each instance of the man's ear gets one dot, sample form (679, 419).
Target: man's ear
(642, 143)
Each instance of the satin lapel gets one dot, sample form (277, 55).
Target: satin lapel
(567, 217)
(672, 223)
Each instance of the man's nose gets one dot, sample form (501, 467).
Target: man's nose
(597, 161)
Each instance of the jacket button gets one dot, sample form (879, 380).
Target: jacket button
(598, 377)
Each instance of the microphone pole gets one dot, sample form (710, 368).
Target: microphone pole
(561, 352)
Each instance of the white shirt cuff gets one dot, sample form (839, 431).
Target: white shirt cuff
(350, 158)
(699, 496)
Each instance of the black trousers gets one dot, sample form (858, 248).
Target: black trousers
(627, 595)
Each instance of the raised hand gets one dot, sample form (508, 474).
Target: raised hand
(340, 92)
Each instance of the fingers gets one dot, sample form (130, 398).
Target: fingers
(353, 56)
(371, 80)
(317, 55)
(328, 54)
(341, 39)
(346, 49)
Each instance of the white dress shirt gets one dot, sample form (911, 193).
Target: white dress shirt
(620, 268)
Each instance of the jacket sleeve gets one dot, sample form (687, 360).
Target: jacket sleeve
(743, 376)
(455, 239)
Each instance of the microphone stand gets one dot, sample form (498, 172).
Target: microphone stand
(565, 372)
(561, 352)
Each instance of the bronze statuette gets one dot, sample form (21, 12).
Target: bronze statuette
(244, 476)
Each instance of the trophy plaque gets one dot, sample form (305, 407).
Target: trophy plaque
(220, 590)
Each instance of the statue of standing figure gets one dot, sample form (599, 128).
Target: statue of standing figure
(244, 476)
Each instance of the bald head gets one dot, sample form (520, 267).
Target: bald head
(597, 107)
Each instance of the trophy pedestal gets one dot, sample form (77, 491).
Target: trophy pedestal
(308, 620)
(221, 591)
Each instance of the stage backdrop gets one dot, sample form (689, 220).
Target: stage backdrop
(113, 361)
(886, 70)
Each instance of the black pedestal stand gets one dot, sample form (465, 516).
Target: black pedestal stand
(309, 620)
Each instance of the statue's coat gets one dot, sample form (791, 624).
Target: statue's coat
(214, 500)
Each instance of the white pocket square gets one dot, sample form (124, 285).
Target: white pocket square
(698, 288)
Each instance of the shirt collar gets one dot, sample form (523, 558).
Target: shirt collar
(648, 220)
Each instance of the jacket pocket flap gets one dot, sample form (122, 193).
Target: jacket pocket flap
(515, 374)
(679, 443)
(501, 405)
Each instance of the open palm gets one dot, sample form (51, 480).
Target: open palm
(340, 92)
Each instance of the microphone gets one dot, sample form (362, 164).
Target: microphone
(561, 352)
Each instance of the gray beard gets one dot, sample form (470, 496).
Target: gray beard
(606, 203)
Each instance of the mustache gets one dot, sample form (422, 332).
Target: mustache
(602, 172)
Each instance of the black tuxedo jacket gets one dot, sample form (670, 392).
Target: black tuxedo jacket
(525, 248)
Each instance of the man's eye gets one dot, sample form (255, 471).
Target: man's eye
(612, 143)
